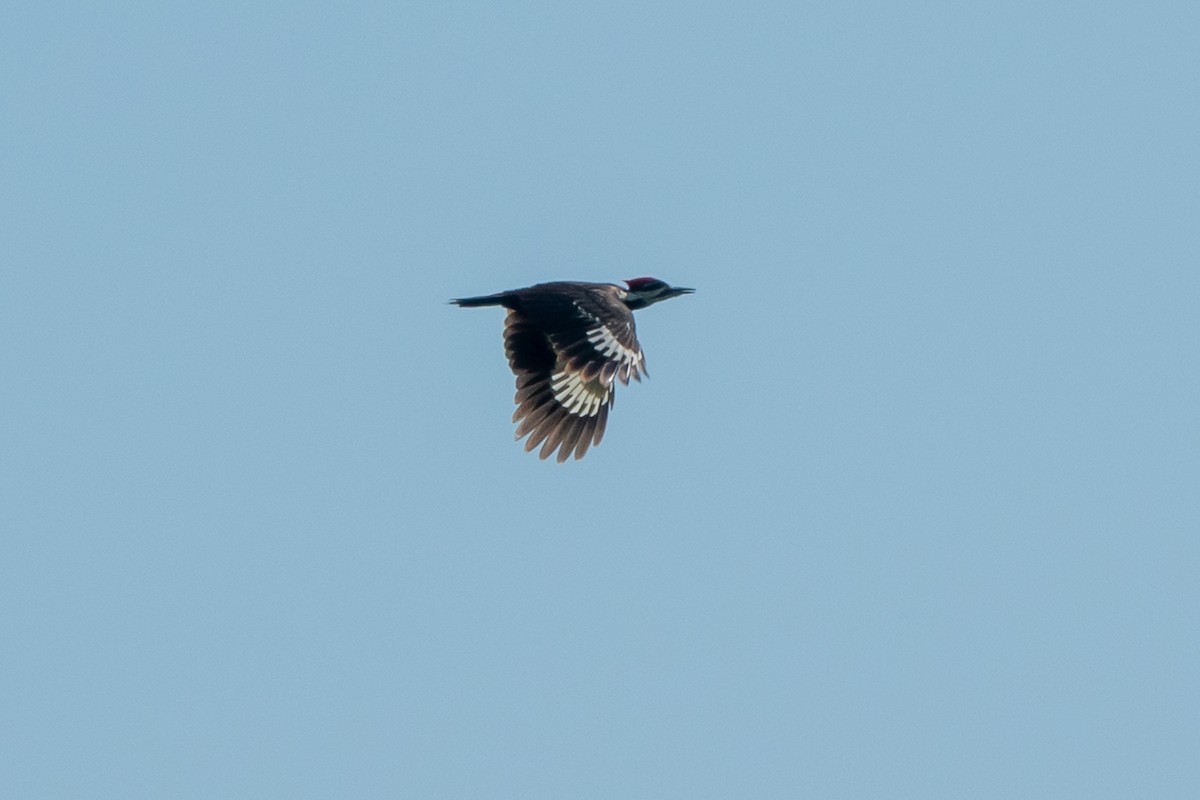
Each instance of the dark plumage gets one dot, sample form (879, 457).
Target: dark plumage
(568, 343)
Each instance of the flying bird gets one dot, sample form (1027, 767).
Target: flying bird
(568, 343)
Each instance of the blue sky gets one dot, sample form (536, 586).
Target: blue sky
(908, 509)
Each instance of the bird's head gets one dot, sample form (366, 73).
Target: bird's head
(647, 291)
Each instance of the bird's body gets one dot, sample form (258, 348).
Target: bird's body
(568, 343)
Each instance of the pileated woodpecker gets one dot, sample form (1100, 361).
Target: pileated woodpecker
(568, 343)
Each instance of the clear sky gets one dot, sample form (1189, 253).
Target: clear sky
(910, 507)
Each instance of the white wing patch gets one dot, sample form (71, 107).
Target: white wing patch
(606, 344)
(612, 349)
(580, 397)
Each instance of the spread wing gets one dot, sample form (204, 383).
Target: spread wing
(567, 353)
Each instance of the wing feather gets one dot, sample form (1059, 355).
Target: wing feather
(567, 352)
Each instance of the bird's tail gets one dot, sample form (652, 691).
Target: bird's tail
(485, 300)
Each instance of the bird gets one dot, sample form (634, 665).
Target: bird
(568, 342)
